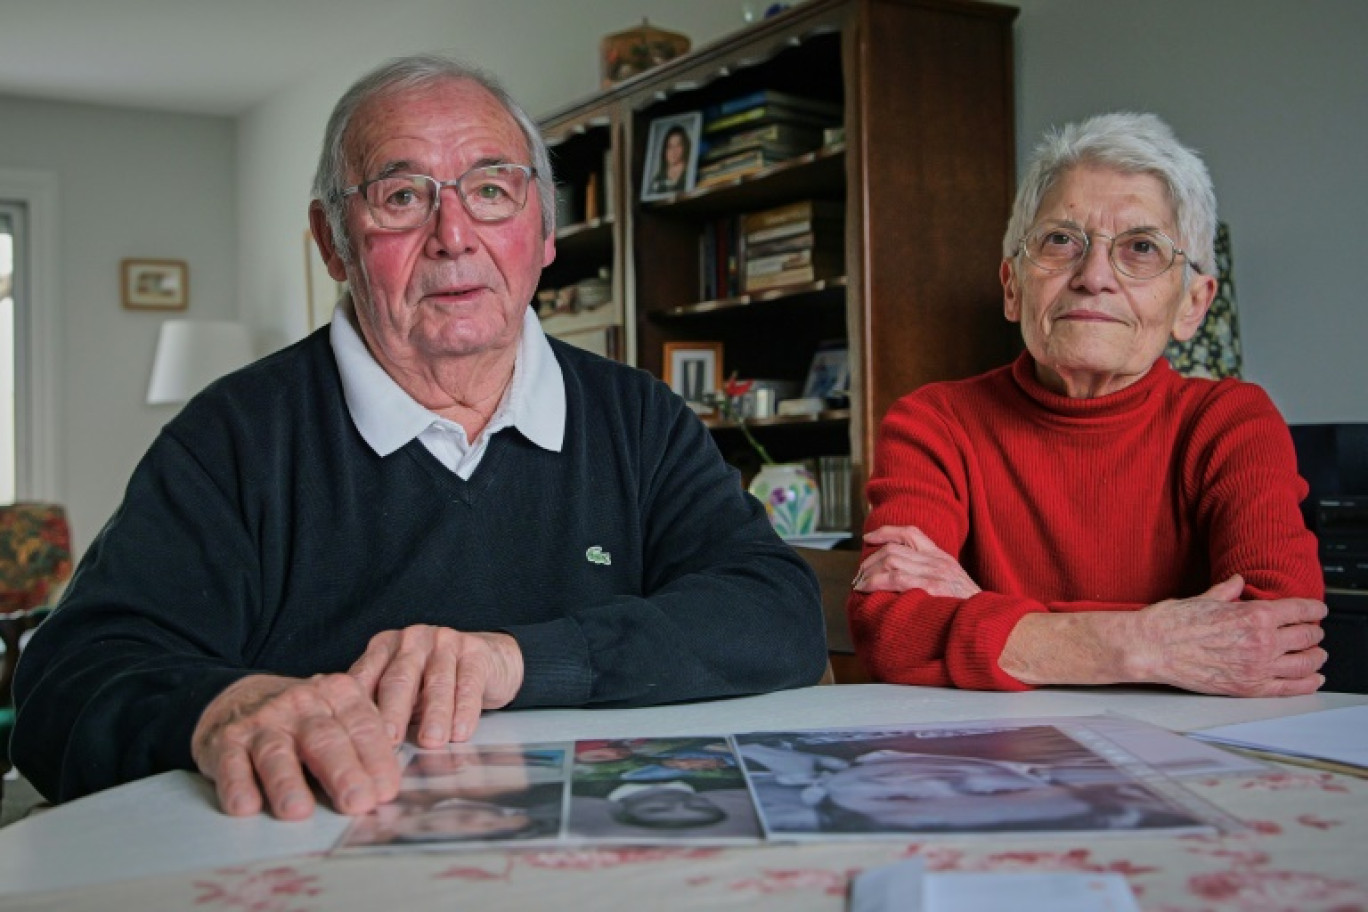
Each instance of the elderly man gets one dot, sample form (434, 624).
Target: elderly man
(1085, 515)
(428, 511)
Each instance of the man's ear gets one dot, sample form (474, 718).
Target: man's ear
(1201, 291)
(1011, 290)
(327, 244)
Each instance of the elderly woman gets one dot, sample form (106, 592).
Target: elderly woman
(1085, 515)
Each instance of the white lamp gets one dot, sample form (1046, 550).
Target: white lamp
(191, 354)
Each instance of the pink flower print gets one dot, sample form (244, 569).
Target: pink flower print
(271, 890)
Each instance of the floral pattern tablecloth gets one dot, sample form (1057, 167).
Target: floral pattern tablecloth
(1305, 849)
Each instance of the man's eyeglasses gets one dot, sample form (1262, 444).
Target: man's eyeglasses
(1141, 253)
(490, 193)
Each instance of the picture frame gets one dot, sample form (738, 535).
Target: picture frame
(693, 369)
(155, 284)
(321, 290)
(828, 375)
(661, 147)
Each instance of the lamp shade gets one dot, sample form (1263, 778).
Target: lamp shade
(191, 354)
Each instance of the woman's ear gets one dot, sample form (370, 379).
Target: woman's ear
(1011, 290)
(1201, 291)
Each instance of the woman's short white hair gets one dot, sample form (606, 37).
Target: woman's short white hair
(1132, 144)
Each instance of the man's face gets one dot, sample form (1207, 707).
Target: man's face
(1090, 329)
(453, 286)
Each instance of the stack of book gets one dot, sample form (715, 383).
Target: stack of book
(793, 244)
(753, 131)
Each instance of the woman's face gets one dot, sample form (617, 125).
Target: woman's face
(463, 818)
(1091, 330)
(675, 148)
(917, 791)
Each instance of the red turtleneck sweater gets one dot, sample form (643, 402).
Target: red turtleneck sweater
(1056, 504)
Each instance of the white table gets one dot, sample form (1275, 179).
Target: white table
(161, 843)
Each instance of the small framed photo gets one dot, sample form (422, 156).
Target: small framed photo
(156, 284)
(829, 374)
(693, 369)
(671, 155)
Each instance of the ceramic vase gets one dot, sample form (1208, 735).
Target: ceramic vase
(789, 492)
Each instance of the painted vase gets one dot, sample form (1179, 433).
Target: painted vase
(789, 492)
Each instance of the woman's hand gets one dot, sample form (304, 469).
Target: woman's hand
(909, 559)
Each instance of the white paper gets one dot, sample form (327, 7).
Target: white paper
(905, 887)
(1028, 893)
(1339, 735)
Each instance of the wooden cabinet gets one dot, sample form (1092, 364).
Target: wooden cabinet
(924, 173)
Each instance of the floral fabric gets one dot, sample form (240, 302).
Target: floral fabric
(1214, 351)
(35, 554)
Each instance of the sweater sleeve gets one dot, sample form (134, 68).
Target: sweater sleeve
(150, 630)
(725, 607)
(920, 479)
(1240, 470)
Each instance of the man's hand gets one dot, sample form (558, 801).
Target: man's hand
(440, 678)
(1213, 643)
(909, 559)
(272, 730)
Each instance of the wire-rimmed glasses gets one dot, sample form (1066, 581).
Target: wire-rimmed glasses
(1140, 253)
(401, 202)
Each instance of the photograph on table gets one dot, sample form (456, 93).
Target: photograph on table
(660, 790)
(694, 369)
(861, 783)
(469, 796)
(671, 155)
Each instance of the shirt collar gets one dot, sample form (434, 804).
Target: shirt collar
(388, 418)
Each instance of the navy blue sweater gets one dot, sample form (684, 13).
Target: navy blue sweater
(260, 533)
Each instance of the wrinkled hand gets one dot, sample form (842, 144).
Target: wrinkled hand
(272, 730)
(1213, 643)
(909, 559)
(440, 678)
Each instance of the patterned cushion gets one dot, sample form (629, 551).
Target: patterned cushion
(35, 554)
(1214, 351)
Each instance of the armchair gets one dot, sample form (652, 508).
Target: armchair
(35, 558)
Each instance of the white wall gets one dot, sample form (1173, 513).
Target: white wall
(546, 54)
(1274, 95)
(131, 184)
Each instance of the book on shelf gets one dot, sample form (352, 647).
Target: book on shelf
(810, 211)
(766, 114)
(800, 240)
(773, 136)
(719, 259)
(741, 165)
(771, 97)
(827, 258)
(800, 275)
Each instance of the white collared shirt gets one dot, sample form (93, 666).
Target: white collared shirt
(388, 418)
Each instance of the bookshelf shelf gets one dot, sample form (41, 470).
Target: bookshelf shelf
(830, 292)
(918, 165)
(820, 173)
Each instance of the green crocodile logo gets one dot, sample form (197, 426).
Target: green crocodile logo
(596, 555)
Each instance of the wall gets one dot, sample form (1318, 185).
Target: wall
(546, 54)
(131, 184)
(1274, 95)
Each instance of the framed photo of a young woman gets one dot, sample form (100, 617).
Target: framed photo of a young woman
(671, 155)
(693, 369)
